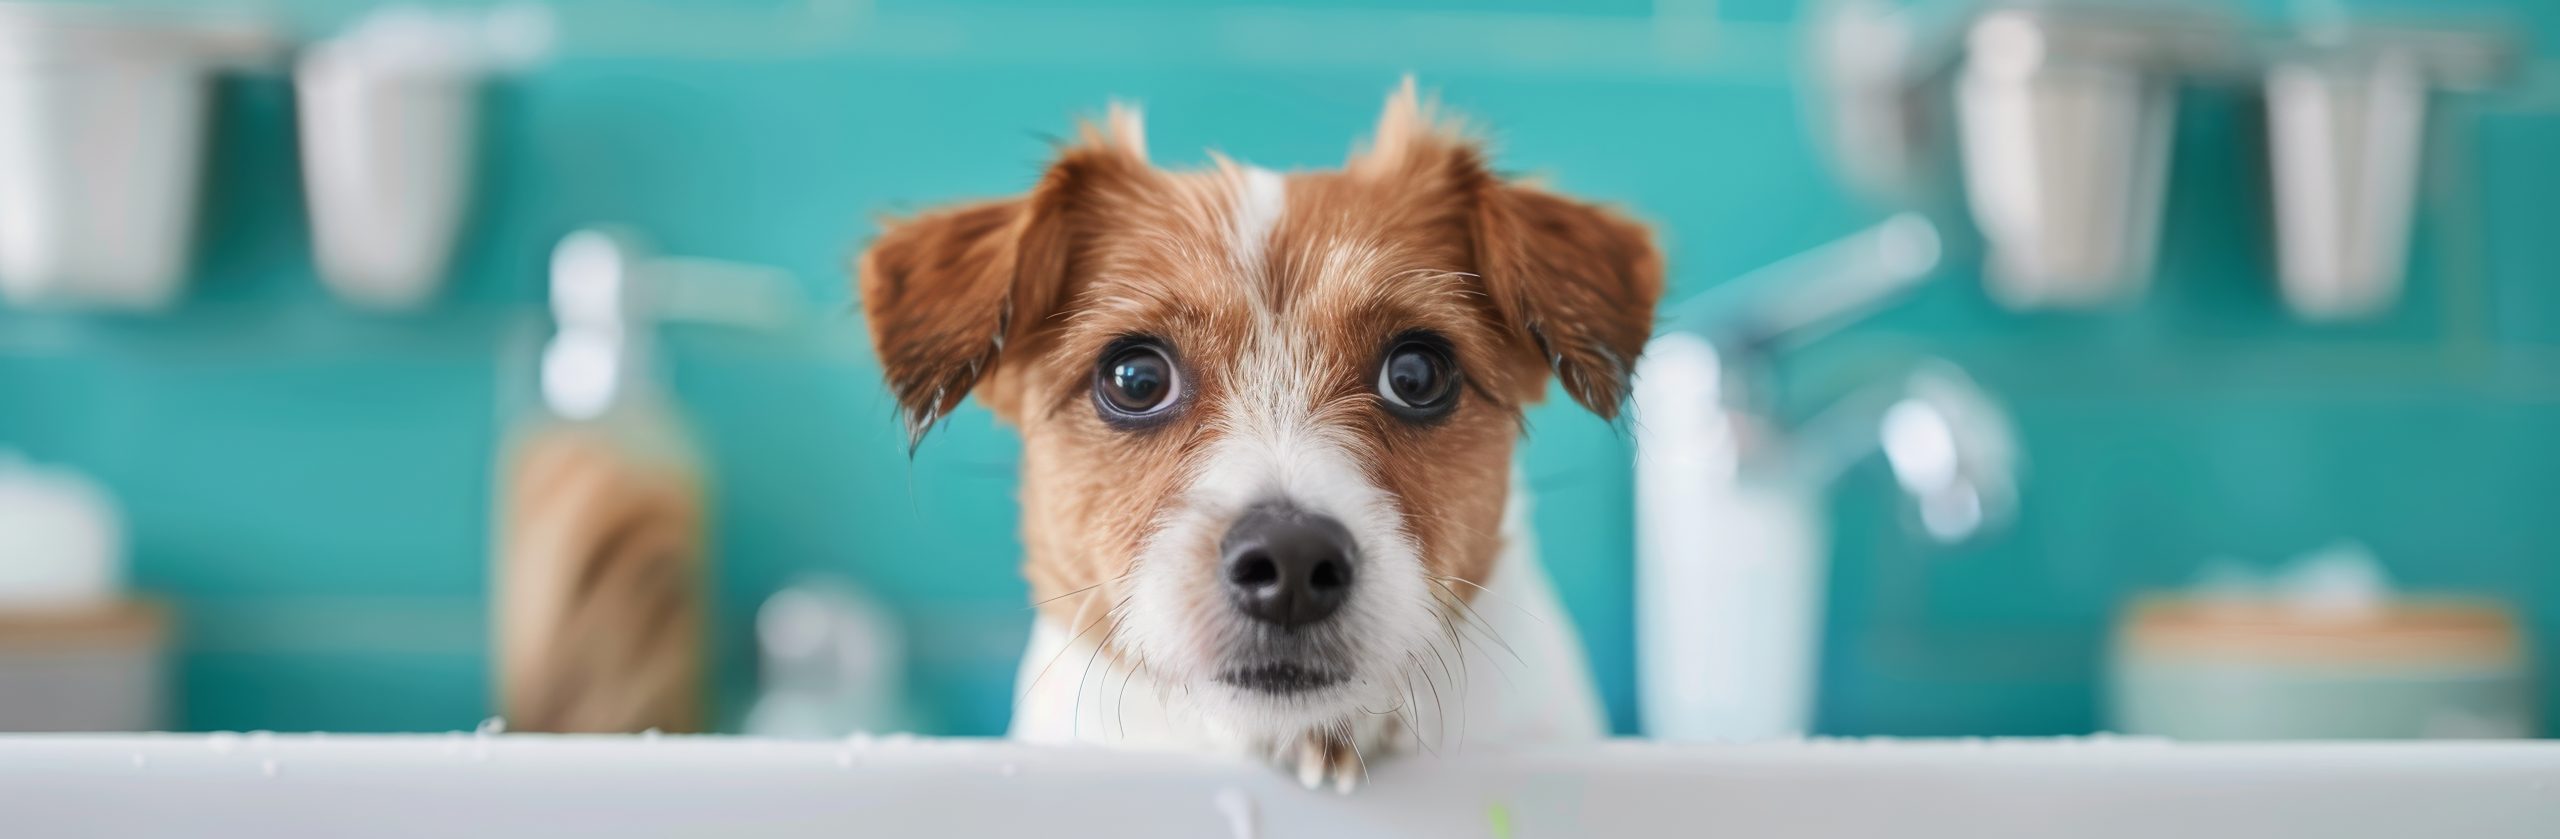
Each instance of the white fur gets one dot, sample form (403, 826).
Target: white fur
(1485, 695)
(1261, 197)
(1270, 446)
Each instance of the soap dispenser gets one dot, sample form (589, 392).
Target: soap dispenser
(601, 566)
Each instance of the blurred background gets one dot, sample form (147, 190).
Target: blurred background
(2186, 370)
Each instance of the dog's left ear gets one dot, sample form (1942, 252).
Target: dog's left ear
(1581, 281)
(1578, 282)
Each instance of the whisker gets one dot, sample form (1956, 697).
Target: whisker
(1462, 689)
(1482, 624)
(1075, 727)
(1444, 663)
(1483, 627)
(1407, 722)
(1405, 675)
(1439, 711)
(1354, 744)
(1491, 593)
(1497, 537)
(1120, 704)
(1450, 628)
(1456, 688)
(1048, 601)
(1390, 711)
(1069, 645)
(1463, 624)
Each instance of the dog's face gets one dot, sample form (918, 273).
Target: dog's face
(1267, 419)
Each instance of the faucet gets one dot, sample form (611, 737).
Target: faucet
(1731, 535)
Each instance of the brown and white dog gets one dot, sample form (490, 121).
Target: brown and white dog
(1267, 425)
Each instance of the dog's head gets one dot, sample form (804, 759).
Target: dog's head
(1267, 419)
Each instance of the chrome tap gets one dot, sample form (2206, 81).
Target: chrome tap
(1731, 537)
(1699, 397)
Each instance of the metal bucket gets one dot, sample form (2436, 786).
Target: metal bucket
(2066, 129)
(2347, 115)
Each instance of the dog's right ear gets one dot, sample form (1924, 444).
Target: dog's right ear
(946, 292)
(1576, 281)
(940, 291)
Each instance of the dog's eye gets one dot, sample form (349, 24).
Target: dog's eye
(1418, 381)
(1136, 381)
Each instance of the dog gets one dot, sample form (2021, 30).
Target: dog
(1268, 424)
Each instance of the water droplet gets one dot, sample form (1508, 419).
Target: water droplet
(261, 738)
(269, 767)
(453, 742)
(649, 735)
(222, 742)
(141, 760)
(480, 737)
(859, 740)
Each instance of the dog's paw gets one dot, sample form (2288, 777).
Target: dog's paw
(1326, 760)
(1332, 759)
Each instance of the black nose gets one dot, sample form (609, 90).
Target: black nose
(1286, 566)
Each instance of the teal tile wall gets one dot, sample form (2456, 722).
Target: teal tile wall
(310, 486)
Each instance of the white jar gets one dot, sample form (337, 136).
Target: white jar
(2201, 669)
(61, 539)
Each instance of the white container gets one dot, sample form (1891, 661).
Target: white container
(2347, 119)
(390, 121)
(1730, 565)
(2240, 670)
(102, 133)
(61, 539)
(2345, 142)
(1729, 628)
(2066, 137)
(387, 168)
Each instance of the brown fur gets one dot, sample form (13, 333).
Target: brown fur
(1015, 299)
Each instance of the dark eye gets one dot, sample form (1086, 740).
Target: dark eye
(1135, 381)
(1418, 381)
